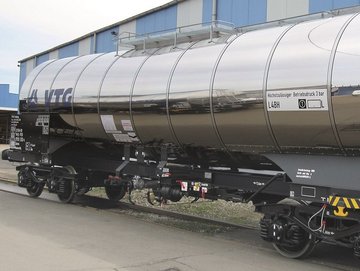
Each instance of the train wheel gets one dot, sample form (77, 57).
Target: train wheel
(115, 193)
(68, 191)
(293, 241)
(301, 250)
(68, 194)
(27, 179)
(35, 190)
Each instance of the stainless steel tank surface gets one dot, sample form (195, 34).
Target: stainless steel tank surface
(292, 88)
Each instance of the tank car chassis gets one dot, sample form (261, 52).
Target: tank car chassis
(295, 217)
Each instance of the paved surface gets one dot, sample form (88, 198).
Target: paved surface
(43, 234)
(40, 234)
(7, 170)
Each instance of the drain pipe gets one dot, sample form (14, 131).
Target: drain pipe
(214, 11)
(213, 19)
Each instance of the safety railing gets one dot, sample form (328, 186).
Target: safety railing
(174, 36)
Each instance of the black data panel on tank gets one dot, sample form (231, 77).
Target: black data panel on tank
(30, 133)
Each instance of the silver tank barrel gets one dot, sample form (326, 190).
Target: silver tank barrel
(292, 88)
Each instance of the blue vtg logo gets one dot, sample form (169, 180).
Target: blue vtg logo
(57, 97)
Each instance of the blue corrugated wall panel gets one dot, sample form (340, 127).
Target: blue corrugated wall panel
(22, 74)
(69, 50)
(323, 5)
(158, 21)
(171, 17)
(105, 42)
(207, 11)
(319, 5)
(8, 99)
(242, 12)
(224, 10)
(257, 11)
(42, 58)
(345, 3)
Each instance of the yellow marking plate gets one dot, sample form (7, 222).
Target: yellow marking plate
(349, 203)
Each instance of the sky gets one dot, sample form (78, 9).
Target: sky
(28, 27)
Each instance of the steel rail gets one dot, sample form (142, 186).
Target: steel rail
(95, 202)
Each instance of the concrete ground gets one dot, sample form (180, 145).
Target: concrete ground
(38, 234)
(7, 170)
(43, 234)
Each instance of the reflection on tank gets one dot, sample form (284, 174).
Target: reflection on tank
(155, 103)
(225, 100)
(345, 90)
(59, 127)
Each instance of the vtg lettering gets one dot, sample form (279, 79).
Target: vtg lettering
(57, 97)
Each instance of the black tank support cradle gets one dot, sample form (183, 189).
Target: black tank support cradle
(272, 179)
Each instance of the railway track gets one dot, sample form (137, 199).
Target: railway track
(102, 203)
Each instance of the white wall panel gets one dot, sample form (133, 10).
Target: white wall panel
(30, 64)
(54, 54)
(128, 27)
(85, 46)
(276, 9)
(297, 7)
(280, 9)
(189, 12)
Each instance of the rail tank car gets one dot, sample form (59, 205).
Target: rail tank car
(270, 116)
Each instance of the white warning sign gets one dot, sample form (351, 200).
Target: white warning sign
(108, 123)
(127, 126)
(305, 173)
(297, 100)
(184, 186)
